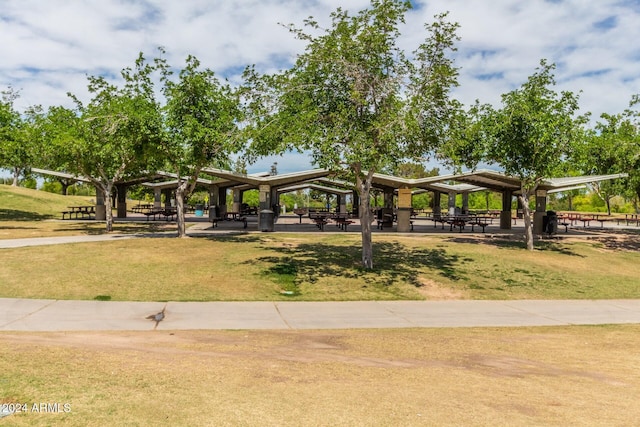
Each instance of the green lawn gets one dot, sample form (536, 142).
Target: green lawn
(24, 204)
(304, 266)
(321, 267)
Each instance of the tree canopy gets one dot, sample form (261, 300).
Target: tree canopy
(613, 146)
(355, 100)
(17, 146)
(116, 135)
(201, 118)
(532, 135)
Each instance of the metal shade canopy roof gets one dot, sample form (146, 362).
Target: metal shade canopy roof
(460, 183)
(324, 189)
(125, 181)
(498, 181)
(272, 180)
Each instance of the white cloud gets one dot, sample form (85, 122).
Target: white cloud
(49, 47)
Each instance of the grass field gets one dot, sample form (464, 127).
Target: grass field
(319, 267)
(24, 204)
(305, 266)
(578, 376)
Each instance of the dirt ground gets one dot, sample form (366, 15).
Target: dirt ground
(450, 376)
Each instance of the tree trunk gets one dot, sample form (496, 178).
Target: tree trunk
(528, 224)
(608, 206)
(364, 188)
(16, 176)
(180, 220)
(65, 186)
(570, 198)
(108, 207)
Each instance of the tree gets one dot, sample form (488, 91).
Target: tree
(602, 153)
(52, 133)
(414, 170)
(630, 138)
(355, 100)
(115, 135)
(16, 143)
(614, 147)
(201, 119)
(533, 134)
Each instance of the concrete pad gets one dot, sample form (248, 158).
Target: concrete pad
(52, 315)
(337, 315)
(222, 315)
(580, 312)
(60, 240)
(13, 310)
(86, 316)
(464, 314)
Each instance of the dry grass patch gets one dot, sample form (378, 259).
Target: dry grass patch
(480, 376)
(433, 290)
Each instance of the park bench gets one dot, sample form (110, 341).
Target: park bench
(343, 222)
(169, 214)
(243, 220)
(456, 222)
(386, 220)
(319, 218)
(630, 219)
(320, 223)
(478, 222)
(439, 219)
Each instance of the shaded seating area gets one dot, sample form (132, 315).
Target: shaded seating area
(397, 192)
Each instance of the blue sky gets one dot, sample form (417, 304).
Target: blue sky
(49, 47)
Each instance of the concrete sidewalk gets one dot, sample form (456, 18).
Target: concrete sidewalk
(61, 240)
(58, 315)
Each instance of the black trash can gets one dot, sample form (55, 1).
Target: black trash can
(550, 222)
(266, 220)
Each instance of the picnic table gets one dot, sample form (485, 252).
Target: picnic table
(342, 221)
(248, 210)
(480, 221)
(232, 216)
(461, 221)
(457, 221)
(320, 218)
(167, 213)
(630, 219)
(573, 219)
(140, 208)
(85, 212)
